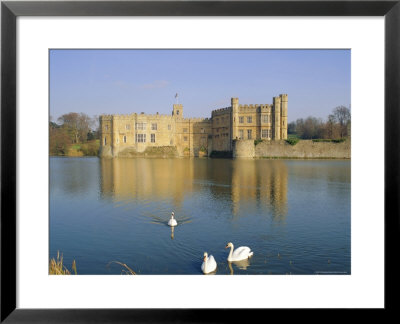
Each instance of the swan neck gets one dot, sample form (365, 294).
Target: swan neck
(230, 253)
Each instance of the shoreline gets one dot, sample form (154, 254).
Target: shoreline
(206, 157)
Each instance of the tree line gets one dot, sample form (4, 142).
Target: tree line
(74, 132)
(337, 126)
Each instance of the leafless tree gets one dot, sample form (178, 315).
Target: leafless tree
(343, 117)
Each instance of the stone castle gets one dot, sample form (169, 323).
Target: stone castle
(127, 135)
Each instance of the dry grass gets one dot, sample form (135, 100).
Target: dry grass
(56, 267)
(126, 270)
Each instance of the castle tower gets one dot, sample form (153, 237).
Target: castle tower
(277, 118)
(114, 130)
(177, 111)
(235, 118)
(284, 107)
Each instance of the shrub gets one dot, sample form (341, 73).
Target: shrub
(90, 148)
(221, 154)
(339, 140)
(292, 141)
(203, 149)
(257, 141)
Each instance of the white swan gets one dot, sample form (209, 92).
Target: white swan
(172, 221)
(241, 253)
(209, 264)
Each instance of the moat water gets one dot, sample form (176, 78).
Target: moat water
(294, 214)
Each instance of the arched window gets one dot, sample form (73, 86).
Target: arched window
(124, 138)
(105, 141)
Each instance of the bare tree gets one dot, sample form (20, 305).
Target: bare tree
(343, 117)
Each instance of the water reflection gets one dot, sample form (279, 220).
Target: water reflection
(242, 265)
(246, 183)
(261, 182)
(146, 178)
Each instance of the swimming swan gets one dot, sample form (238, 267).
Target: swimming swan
(172, 221)
(240, 253)
(209, 264)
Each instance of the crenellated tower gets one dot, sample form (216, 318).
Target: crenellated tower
(277, 118)
(235, 117)
(284, 109)
(177, 111)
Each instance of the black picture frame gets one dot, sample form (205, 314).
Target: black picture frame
(10, 10)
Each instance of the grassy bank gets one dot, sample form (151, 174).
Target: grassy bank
(90, 148)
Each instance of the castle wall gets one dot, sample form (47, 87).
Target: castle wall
(221, 129)
(250, 120)
(243, 149)
(135, 131)
(305, 149)
(192, 135)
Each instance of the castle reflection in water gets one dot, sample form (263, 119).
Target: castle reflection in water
(246, 183)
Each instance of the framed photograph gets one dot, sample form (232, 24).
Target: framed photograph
(162, 159)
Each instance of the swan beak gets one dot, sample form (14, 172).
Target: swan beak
(226, 246)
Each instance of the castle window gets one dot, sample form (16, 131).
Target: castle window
(266, 118)
(249, 134)
(202, 130)
(106, 127)
(185, 130)
(185, 138)
(241, 135)
(153, 126)
(222, 119)
(249, 119)
(105, 141)
(124, 138)
(169, 127)
(141, 126)
(127, 127)
(269, 133)
(264, 133)
(140, 138)
(153, 138)
(217, 120)
(177, 112)
(241, 120)
(171, 142)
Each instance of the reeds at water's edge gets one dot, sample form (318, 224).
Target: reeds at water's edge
(128, 270)
(57, 267)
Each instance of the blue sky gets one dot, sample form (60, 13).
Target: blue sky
(126, 81)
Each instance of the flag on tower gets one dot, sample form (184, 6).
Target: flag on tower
(176, 96)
